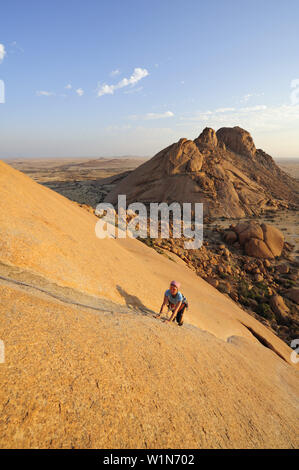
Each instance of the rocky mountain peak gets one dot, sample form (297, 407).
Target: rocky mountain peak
(237, 140)
(223, 170)
(208, 137)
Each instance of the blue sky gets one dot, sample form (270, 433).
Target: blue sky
(119, 77)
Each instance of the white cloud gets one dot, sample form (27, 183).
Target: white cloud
(80, 92)
(68, 86)
(151, 116)
(224, 110)
(247, 97)
(136, 76)
(167, 114)
(45, 93)
(117, 128)
(255, 118)
(2, 52)
(115, 72)
(106, 90)
(222, 114)
(259, 107)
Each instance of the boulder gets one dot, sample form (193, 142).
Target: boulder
(273, 238)
(240, 227)
(279, 308)
(253, 230)
(213, 281)
(282, 268)
(224, 287)
(231, 237)
(257, 248)
(226, 253)
(183, 156)
(260, 241)
(248, 267)
(229, 269)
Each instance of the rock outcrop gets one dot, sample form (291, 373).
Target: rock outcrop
(207, 138)
(279, 308)
(273, 238)
(183, 157)
(237, 140)
(88, 366)
(260, 241)
(221, 169)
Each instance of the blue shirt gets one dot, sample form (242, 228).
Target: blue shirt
(174, 300)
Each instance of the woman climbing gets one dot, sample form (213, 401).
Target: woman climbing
(176, 302)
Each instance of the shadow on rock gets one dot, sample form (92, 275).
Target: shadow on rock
(133, 302)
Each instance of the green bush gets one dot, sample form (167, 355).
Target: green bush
(262, 286)
(264, 311)
(245, 291)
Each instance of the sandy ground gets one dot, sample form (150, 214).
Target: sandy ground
(46, 170)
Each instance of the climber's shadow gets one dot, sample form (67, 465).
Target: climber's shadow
(133, 302)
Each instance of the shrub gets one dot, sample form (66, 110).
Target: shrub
(264, 311)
